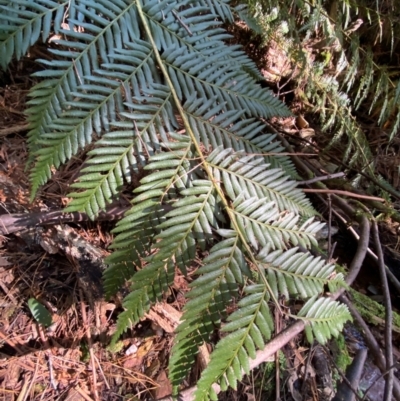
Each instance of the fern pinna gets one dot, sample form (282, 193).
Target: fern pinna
(152, 86)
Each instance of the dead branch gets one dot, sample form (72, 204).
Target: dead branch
(15, 129)
(12, 223)
(388, 315)
(345, 193)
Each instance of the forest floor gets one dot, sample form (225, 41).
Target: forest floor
(71, 359)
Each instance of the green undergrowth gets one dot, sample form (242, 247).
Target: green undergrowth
(157, 100)
(341, 356)
(372, 311)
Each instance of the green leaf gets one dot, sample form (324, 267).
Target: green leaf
(39, 312)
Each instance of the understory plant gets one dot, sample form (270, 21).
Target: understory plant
(151, 90)
(341, 57)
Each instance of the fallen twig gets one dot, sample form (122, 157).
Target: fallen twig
(46, 344)
(335, 159)
(344, 193)
(391, 276)
(21, 349)
(296, 328)
(261, 356)
(102, 373)
(322, 178)
(12, 223)
(372, 344)
(388, 315)
(51, 371)
(380, 376)
(329, 227)
(15, 129)
(83, 394)
(24, 390)
(359, 257)
(33, 378)
(90, 346)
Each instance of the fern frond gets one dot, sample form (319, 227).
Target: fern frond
(263, 225)
(59, 130)
(148, 287)
(114, 157)
(352, 71)
(324, 318)
(137, 230)
(155, 90)
(249, 327)
(231, 130)
(250, 176)
(79, 82)
(212, 76)
(295, 273)
(135, 237)
(366, 79)
(23, 22)
(209, 296)
(187, 224)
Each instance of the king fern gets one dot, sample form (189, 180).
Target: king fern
(153, 88)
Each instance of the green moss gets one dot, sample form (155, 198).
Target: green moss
(85, 352)
(343, 358)
(267, 381)
(341, 355)
(372, 311)
(115, 347)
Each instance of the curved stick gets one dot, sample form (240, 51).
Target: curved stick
(388, 317)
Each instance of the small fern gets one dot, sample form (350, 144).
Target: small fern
(154, 89)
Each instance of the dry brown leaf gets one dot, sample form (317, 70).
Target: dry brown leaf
(165, 386)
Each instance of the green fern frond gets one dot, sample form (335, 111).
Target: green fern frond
(366, 79)
(148, 287)
(112, 161)
(209, 296)
(59, 125)
(352, 76)
(155, 90)
(135, 237)
(23, 22)
(295, 273)
(234, 131)
(263, 225)
(211, 76)
(324, 318)
(78, 81)
(352, 71)
(250, 176)
(137, 230)
(249, 327)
